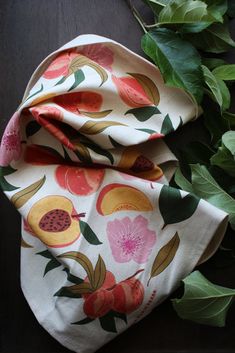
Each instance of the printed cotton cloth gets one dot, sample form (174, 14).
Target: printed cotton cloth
(104, 238)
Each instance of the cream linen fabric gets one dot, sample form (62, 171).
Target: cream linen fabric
(104, 238)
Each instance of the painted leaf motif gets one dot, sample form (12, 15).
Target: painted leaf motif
(173, 207)
(5, 186)
(6, 171)
(82, 260)
(143, 113)
(24, 244)
(96, 115)
(88, 233)
(167, 126)
(81, 61)
(85, 321)
(82, 152)
(99, 273)
(65, 292)
(53, 263)
(34, 94)
(165, 256)
(22, 196)
(78, 78)
(97, 149)
(32, 127)
(81, 288)
(72, 278)
(204, 302)
(107, 322)
(149, 87)
(93, 128)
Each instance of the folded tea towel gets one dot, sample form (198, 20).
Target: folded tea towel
(104, 238)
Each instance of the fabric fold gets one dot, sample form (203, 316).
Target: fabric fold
(83, 159)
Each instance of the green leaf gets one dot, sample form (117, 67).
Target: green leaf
(214, 39)
(177, 60)
(5, 186)
(225, 156)
(85, 321)
(197, 152)
(114, 142)
(148, 131)
(185, 12)
(72, 278)
(215, 123)
(53, 263)
(231, 8)
(78, 77)
(225, 160)
(167, 126)
(143, 113)
(205, 187)
(165, 256)
(20, 198)
(217, 8)
(225, 72)
(212, 63)
(6, 170)
(218, 88)
(61, 80)
(46, 253)
(182, 182)
(34, 94)
(156, 6)
(107, 322)
(65, 292)
(119, 315)
(230, 118)
(32, 127)
(99, 273)
(173, 207)
(228, 140)
(88, 233)
(97, 149)
(203, 302)
(82, 260)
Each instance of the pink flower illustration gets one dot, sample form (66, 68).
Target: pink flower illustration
(131, 239)
(98, 53)
(60, 65)
(10, 147)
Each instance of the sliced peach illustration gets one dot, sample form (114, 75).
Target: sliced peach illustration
(118, 197)
(54, 221)
(79, 181)
(134, 163)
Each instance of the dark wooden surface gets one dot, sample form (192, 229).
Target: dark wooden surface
(30, 30)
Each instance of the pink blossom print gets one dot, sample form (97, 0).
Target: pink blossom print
(10, 146)
(98, 53)
(60, 65)
(131, 239)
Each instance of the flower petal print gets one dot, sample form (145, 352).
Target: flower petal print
(131, 92)
(130, 239)
(60, 65)
(74, 102)
(10, 146)
(98, 53)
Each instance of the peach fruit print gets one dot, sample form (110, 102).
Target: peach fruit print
(103, 297)
(79, 181)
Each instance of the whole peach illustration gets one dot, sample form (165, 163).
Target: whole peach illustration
(128, 295)
(98, 303)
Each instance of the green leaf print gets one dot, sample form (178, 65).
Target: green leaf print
(173, 207)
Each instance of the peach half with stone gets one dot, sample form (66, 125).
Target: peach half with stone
(54, 221)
